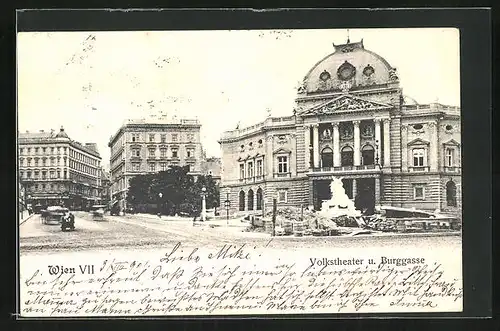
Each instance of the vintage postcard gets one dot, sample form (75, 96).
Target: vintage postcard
(239, 172)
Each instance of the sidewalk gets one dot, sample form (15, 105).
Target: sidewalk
(210, 221)
(24, 216)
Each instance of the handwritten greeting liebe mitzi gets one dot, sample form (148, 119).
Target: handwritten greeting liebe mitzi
(236, 280)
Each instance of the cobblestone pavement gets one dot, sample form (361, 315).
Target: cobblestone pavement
(144, 232)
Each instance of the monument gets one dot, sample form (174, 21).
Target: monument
(339, 204)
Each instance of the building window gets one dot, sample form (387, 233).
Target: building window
(190, 137)
(260, 199)
(242, 201)
(52, 161)
(163, 152)
(163, 138)
(28, 162)
(189, 152)
(135, 166)
(44, 174)
(259, 168)
(418, 157)
(151, 152)
(28, 174)
(151, 167)
(163, 166)
(419, 192)
(250, 169)
(282, 196)
(44, 149)
(58, 173)
(65, 174)
(449, 157)
(43, 187)
(151, 138)
(174, 136)
(174, 153)
(29, 150)
(21, 174)
(21, 162)
(282, 164)
(44, 162)
(52, 187)
(242, 171)
(36, 150)
(52, 174)
(52, 150)
(250, 200)
(37, 174)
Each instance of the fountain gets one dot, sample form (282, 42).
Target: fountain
(339, 204)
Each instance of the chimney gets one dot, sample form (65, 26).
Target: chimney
(41, 131)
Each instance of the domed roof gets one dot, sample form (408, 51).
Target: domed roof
(62, 134)
(349, 66)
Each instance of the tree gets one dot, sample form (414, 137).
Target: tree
(139, 190)
(180, 192)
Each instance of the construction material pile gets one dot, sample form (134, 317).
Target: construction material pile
(382, 224)
(311, 219)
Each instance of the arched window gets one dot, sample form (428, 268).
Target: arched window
(327, 157)
(242, 201)
(260, 199)
(250, 200)
(347, 156)
(368, 155)
(451, 194)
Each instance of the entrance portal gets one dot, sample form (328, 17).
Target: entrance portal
(365, 195)
(321, 189)
(347, 183)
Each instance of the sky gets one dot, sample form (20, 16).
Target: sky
(91, 82)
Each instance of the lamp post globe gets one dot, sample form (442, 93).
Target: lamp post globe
(159, 203)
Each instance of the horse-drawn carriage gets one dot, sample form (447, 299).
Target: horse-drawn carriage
(97, 212)
(56, 215)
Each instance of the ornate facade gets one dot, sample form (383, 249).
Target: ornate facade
(55, 170)
(152, 145)
(351, 121)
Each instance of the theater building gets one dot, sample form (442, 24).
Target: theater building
(56, 170)
(351, 121)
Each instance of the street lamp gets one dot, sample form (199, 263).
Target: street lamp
(203, 204)
(227, 204)
(376, 153)
(159, 201)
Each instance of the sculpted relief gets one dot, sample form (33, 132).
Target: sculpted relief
(347, 103)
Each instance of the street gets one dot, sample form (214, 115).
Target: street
(147, 231)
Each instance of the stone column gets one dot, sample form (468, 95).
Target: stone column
(269, 166)
(387, 142)
(316, 145)
(357, 152)
(307, 139)
(336, 145)
(404, 147)
(377, 140)
(310, 196)
(433, 153)
(354, 188)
